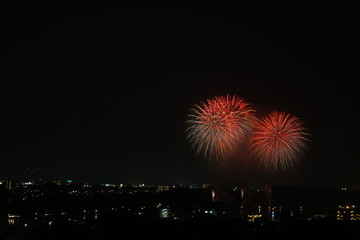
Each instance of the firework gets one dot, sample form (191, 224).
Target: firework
(218, 125)
(279, 141)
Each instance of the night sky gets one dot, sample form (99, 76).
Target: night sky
(100, 93)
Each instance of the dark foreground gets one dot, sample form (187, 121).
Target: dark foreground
(115, 226)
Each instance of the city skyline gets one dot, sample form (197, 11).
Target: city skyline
(50, 210)
(101, 93)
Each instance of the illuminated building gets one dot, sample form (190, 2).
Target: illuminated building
(57, 182)
(253, 217)
(206, 185)
(27, 183)
(165, 213)
(161, 188)
(8, 185)
(108, 185)
(213, 195)
(347, 213)
(12, 219)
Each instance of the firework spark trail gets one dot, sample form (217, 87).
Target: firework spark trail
(218, 125)
(279, 141)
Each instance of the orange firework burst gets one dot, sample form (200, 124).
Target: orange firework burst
(279, 141)
(218, 125)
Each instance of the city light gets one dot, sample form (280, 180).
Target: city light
(163, 201)
(253, 217)
(347, 213)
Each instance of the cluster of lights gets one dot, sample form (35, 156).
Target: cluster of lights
(251, 218)
(347, 213)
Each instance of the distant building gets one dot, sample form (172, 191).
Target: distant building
(347, 213)
(28, 183)
(253, 217)
(205, 185)
(161, 188)
(108, 185)
(57, 182)
(8, 185)
(166, 213)
(86, 185)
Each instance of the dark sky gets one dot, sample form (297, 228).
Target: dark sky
(100, 93)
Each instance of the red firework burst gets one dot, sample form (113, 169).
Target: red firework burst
(279, 141)
(218, 125)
